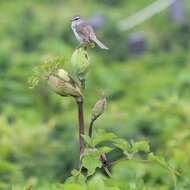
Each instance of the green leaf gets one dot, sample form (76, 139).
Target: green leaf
(87, 139)
(103, 138)
(73, 187)
(123, 145)
(79, 179)
(140, 146)
(114, 188)
(91, 162)
(161, 161)
(44, 70)
(96, 183)
(104, 150)
(75, 172)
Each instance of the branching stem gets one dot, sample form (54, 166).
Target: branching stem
(103, 158)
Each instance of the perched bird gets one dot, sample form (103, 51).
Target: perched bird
(84, 32)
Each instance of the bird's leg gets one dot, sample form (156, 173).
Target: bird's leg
(86, 45)
(83, 45)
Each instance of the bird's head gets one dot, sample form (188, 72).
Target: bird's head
(75, 18)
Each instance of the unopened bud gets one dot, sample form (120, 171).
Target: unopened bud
(63, 75)
(64, 88)
(98, 108)
(80, 62)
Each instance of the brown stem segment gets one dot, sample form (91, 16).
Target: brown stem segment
(81, 125)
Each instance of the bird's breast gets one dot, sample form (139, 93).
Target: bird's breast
(76, 34)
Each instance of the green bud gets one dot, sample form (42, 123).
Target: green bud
(98, 108)
(80, 62)
(63, 75)
(64, 88)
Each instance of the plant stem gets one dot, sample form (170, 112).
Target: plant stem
(81, 125)
(103, 158)
(82, 80)
(107, 171)
(90, 128)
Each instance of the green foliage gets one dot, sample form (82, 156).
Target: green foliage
(131, 154)
(72, 186)
(103, 138)
(91, 162)
(140, 146)
(44, 70)
(148, 99)
(162, 162)
(112, 2)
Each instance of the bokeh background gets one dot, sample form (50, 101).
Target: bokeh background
(145, 75)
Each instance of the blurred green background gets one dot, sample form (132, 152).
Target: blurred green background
(145, 74)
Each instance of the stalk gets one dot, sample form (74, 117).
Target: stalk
(83, 85)
(90, 128)
(105, 163)
(81, 125)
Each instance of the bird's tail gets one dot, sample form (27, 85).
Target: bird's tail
(100, 44)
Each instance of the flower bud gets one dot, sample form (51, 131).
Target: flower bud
(63, 75)
(64, 88)
(98, 108)
(80, 62)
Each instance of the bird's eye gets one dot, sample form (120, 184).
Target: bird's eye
(77, 18)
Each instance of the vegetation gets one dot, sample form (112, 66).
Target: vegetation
(148, 100)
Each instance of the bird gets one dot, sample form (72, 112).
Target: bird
(84, 32)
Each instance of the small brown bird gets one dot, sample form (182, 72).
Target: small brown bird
(84, 32)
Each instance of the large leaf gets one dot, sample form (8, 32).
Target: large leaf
(123, 145)
(97, 183)
(103, 138)
(91, 162)
(104, 150)
(80, 179)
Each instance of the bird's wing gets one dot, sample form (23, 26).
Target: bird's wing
(85, 31)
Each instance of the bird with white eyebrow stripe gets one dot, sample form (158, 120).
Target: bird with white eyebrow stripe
(84, 32)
